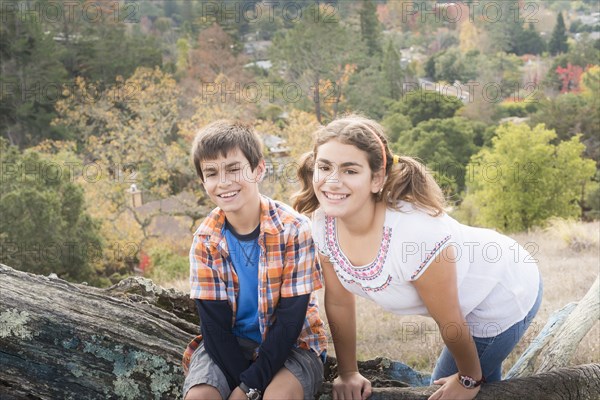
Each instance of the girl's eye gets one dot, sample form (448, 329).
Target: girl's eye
(209, 174)
(323, 168)
(350, 172)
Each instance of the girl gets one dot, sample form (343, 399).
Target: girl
(382, 233)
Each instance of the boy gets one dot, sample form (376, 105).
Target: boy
(253, 273)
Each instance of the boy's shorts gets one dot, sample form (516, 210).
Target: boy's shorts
(305, 365)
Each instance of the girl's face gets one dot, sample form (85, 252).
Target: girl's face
(343, 181)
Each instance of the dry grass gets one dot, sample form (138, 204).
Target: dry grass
(567, 271)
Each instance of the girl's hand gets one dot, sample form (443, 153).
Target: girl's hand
(351, 386)
(452, 389)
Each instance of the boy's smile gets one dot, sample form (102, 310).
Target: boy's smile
(231, 183)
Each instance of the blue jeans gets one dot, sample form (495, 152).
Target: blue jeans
(492, 351)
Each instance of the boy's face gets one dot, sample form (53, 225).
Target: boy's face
(230, 182)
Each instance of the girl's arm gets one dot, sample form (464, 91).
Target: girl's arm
(438, 289)
(341, 316)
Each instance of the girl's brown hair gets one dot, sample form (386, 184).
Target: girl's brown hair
(406, 180)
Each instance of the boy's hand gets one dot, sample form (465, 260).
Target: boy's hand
(452, 389)
(351, 386)
(237, 394)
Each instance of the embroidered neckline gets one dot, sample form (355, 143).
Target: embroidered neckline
(364, 276)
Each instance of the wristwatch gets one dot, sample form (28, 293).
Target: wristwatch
(470, 383)
(251, 394)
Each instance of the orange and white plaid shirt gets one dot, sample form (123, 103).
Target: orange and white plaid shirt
(288, 266)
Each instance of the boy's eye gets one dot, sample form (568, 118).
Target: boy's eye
(209, 174)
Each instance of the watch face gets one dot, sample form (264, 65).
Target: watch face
(467, 382)
(253, 394)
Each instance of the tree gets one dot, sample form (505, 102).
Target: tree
(367, 92)
(503, 23)
(215, 56)
(445, 146)
(370, 27)
(571, 114)
(101, 48)
(129, 135)
(392, 72)
(183, 50)
(451, 66)
(583, 54)
(558, 41)
(524, 179)
(316, 51)
(504, 71)
(423, 105)
(468, 36)
(570, 77)
(45, 226)
(130, 125)
(395, 125)
(32, 74)
(529, 42)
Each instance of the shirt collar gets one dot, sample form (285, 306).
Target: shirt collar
(270, 223)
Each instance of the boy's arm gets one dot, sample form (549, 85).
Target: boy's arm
(219, 341)
(210, 295)
(301, 276)
(282, 335)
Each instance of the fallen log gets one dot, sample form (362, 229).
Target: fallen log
(525, 365)
(60, 340)
(564, 342)
(576, 383)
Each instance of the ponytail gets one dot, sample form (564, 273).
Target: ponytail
(305, 200)
(410, 181)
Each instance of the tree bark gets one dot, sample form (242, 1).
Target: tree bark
(66, 341)
(572, 331)
(525, 365)
(60, 340)
(576, 383)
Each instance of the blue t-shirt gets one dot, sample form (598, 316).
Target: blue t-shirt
(244, 252)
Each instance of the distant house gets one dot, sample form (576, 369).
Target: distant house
(592, 19)
(264, 64)
(514, 120)
(590, 35)
(277, 146)
(173, 228)
(257, 50)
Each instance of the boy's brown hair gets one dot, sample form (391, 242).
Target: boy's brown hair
(221, 137)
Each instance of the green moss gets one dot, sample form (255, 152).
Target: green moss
(74, 369)
(126, 388)
(13, 323)
(70, 344)
(164, 378)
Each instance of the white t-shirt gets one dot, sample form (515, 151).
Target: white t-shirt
(498, 280)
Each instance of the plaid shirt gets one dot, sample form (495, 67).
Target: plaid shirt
(287, 267)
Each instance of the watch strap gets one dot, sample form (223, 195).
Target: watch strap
(470, 383)
(244, 387)
(251, 394)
